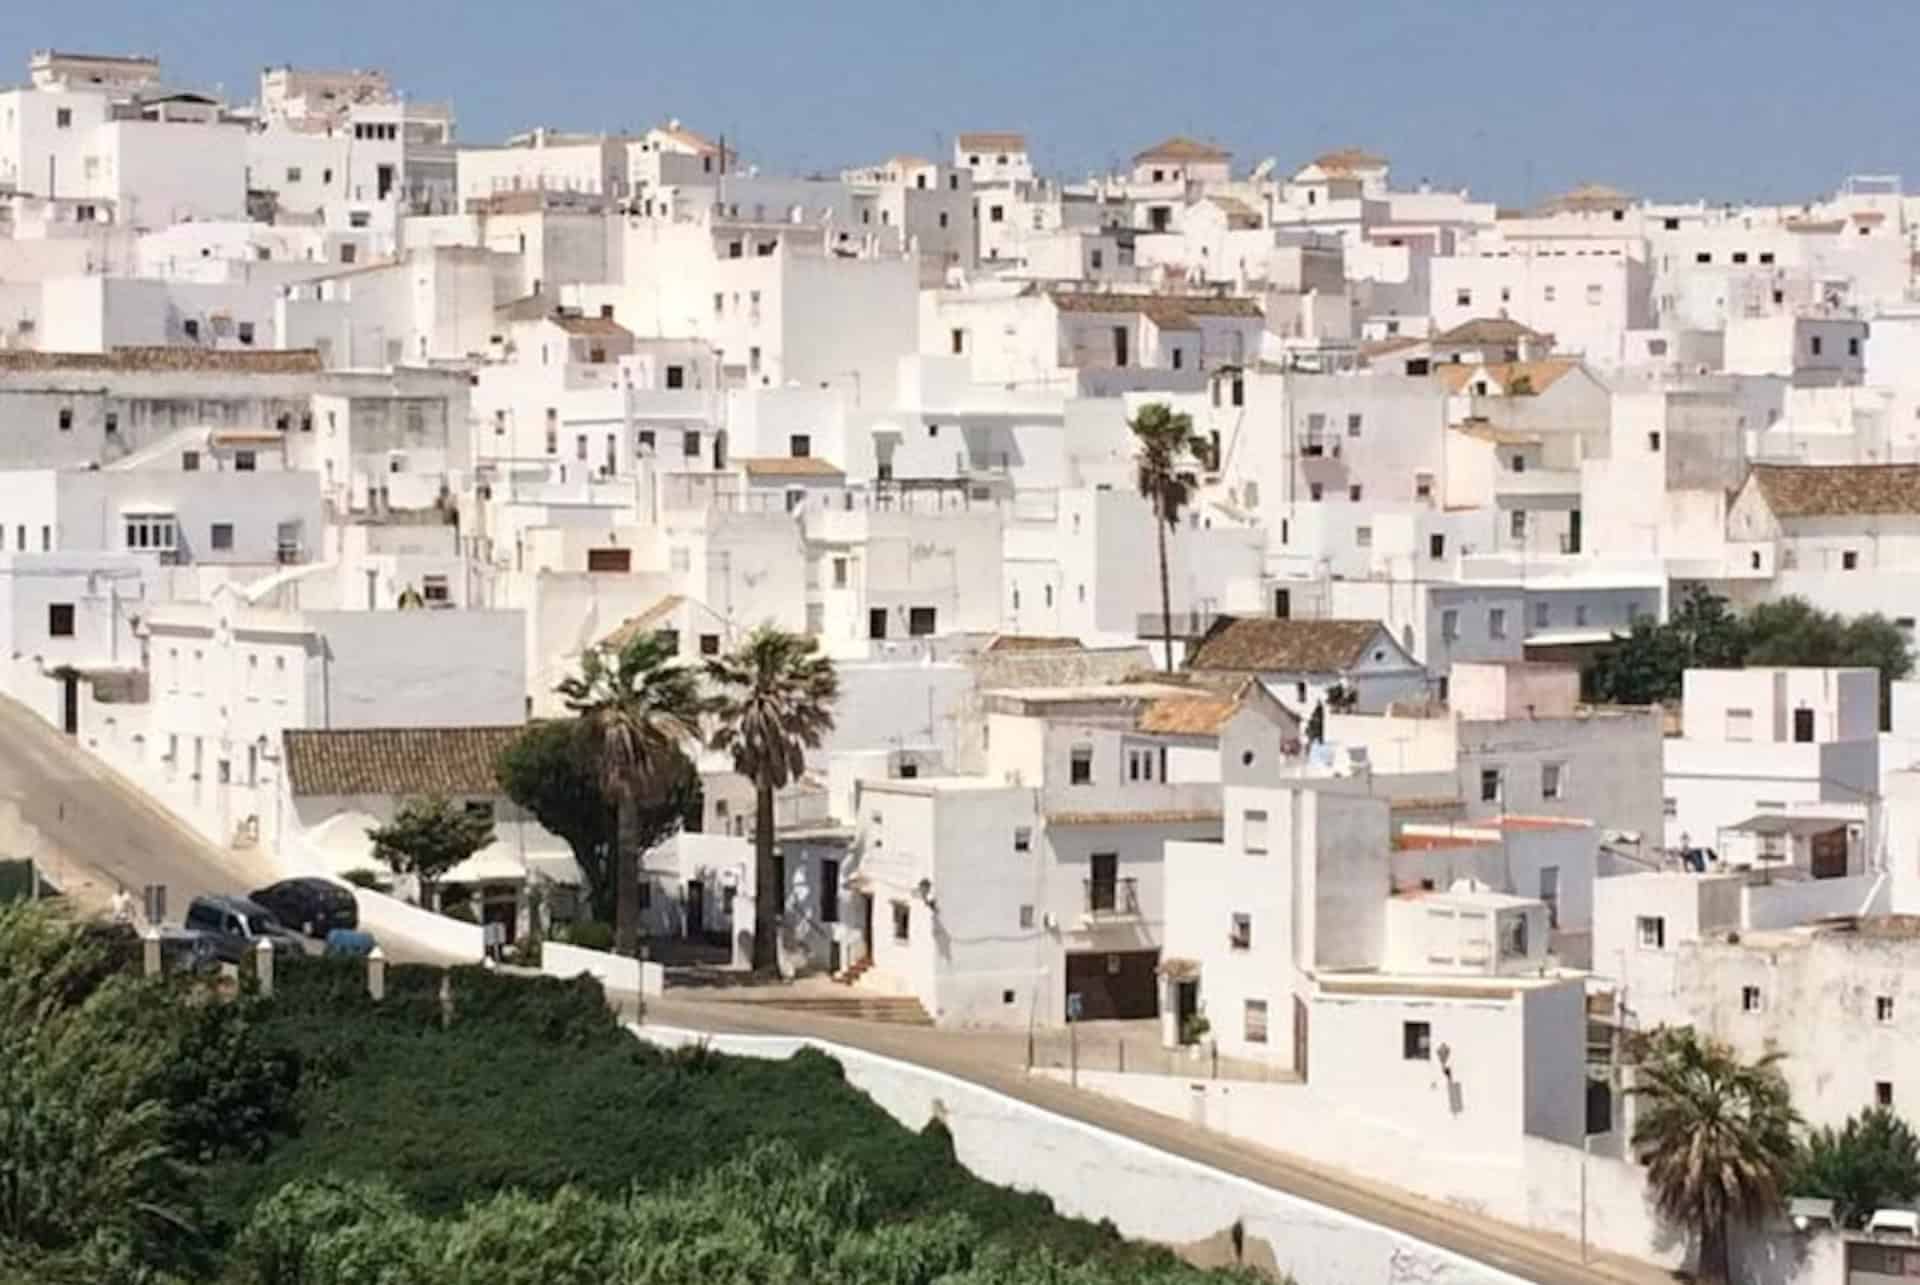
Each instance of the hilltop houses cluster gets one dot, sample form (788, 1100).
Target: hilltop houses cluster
(335, 440)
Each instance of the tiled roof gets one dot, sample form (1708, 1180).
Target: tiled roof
(271, 361)
(1033, 642)
(1188, 715)
(1169, 312)
(1540, 375)
(1265, 645)
(593, 327)
(990, 141)
(1838, 490)
(1488, 330)
(1348, 160)
(1181, 148)
(1590, 196)
(788, 466)
(396, 760)
(643, 624)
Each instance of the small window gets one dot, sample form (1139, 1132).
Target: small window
(1739, 724)
(1849, 560)
(1436, 546)
(709, 644)
(435, 589)
(902, 921)
(63, 118)
(1256, 1021)
(1023, 838)
(60, 620)
(1353, 426)
(1814, 345)
(677, 375)
(1553, 777)
(997, 214)
(1491, 784)
(1882, 1089)
(799, 445)
(66, 419)
(1080, 766)
(1026, 917)
(189, 461)
(1416, 1041)
(1542, 613)
(245, 461)
(1883, 1008)
(1450, 625)
(220, 535)
(1497, 623)
(1354, 493)
(922, 622)
(1240, 932)
(1517, 524)
(1653, 442)
(1653, 932)
(1750, 999)
(1254, 831)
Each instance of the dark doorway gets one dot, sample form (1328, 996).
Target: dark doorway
(1120, 345)
(1115, 985)
(696, 908)
(1283, 604)
(1573, 531)
(1186, 1005)
(866, 924)
(876, 622)
(1300, 1039)
(70, 703)
(1803, 727)
(383, 181)
(1104, 881)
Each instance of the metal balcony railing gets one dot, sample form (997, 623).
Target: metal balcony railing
(1115, 897)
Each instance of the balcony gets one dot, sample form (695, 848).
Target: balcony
(1112, 899)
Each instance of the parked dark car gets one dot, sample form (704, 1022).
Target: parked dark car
(236, 925)
(314, 907)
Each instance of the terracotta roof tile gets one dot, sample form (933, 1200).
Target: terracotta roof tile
(396, 760)
(1488, 330)
(1182, 148)
(1349, 160)
(1033, 642)
(1540, 375)
(647, 622)
(1188, 715)
(1838, 490)
(788, 466)
(993, 141)
(593, 327)
(1265, 645)
(271, 361)
(1169, 312)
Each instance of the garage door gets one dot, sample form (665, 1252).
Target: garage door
(1119, 984)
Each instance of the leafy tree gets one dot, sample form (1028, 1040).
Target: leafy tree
(550, 771)
(1716, 1136)
(640, 710)
(1869, 1163)
(775, 702)
(1791, 631)
(1164, 442)
(428, 837)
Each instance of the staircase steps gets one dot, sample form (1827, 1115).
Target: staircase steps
(892, 1010)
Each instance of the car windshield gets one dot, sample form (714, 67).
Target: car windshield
(258, 925)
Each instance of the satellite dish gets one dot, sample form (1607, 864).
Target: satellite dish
(1264, 169)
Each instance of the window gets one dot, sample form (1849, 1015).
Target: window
(1363, 537)
(1080, 766)
(1595, 294)
(1849, 560)
(1882, 1089)
(1254, 831)
(63, 118)
(1653, 442)
(1703, 256)
(1463, 298)
(1023, 838)
(60, 620)
(1314, 490)
(1140, 763)
(1814, 345)
(1553, 780)
(1026, 916)
(1492, 784)
(690, 444)
(1853, 347)
(1517, 524)
(1750, 999)
(1653, 932)
(1353, 493)
(245, 461)
(997, 214)
(1541, 615)
(150, 531)
(1450, 625)
(1239, 397)
(839, 573)
(435, 589)
(1353, 426)
(220, 535)
(1416, 1041)
(921, 622)
(1436, 546)
(189, 461)
(1240, 932)
(1670, 806)
(902, 921)
(66, 419)
(1256, 1022)
(1883, 1008)
(1739, 725)
(1497, 623)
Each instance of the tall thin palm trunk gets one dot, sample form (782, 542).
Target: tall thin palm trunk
(768, 896)
(626, 878)
(1166, 593)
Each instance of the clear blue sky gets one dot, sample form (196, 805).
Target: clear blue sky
(1764, 99)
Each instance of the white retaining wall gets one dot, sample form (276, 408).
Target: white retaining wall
(615, 972)
(390, 919)
(1090, 1173)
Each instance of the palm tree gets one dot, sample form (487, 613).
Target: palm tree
(641, 711)
(1716, 1135)
(774, 703)
(1163, 441)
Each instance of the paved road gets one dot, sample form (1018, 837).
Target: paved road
(96, 829)
(1524, 1254)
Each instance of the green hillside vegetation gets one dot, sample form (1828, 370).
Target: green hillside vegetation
(150, 1133)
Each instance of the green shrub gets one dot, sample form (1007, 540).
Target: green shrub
(365, 877)
(590, 934)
